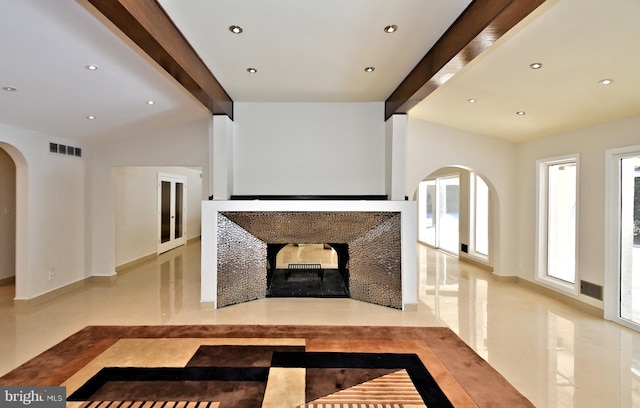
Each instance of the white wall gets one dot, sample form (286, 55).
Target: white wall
(50, 216)
(137, 209)
(395, 152)
(591, 144)
(182, 145)
(431, 147)
(309, 148)
(221, 157)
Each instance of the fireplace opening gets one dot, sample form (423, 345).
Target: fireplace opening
(308, 270)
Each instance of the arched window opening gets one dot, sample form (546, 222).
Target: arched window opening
(456, 208)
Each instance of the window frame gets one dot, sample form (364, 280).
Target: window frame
(542, 222)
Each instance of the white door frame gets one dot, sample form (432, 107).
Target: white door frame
(613, 244)
(173, 241)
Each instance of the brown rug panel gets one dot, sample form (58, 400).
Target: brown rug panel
(321, 382)
(81, 359)
(237, 356)
(473, 372)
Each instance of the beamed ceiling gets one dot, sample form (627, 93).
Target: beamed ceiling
(182, 55)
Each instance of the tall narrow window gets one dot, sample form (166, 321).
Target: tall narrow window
(429, 212)
(448, 213)
(557, 214)
(479, 216)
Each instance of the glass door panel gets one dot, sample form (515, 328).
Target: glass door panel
(439, 212)
(630, 239)
(165, 211)
(448, 213)
(428, 194)
(179, 189)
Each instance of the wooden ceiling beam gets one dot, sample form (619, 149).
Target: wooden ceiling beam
(479, 26)
(147, 25)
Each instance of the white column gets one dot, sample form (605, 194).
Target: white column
(221, 138)
(395, 152)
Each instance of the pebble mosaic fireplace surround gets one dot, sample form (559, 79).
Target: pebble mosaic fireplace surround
(374, 240)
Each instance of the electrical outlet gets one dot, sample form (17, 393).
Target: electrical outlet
(52, 274)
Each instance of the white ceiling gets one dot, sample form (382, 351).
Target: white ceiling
(312, 50)
(317, 51)
(579, 43)
(45, 47)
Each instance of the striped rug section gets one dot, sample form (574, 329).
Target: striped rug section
(150, 404)
(395, 390)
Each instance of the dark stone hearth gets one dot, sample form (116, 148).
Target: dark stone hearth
(308, 285)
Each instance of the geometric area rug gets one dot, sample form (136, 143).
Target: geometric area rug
(254, 366)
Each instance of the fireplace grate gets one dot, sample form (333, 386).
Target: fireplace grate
(304, 269)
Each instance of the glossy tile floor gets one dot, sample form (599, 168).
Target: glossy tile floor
(555, 355)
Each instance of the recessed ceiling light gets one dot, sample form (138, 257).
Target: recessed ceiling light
(91, 117)
(9, 88)
(252, 70)
(535, 65)
(235, 29)
(521, 113)
(472, 100)
(606, 81)
(150, 102)
(391, 28)
(370, 69)
(91, 67)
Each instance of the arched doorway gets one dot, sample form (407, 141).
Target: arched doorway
(7, 219)
(13, 205)
(458, 213)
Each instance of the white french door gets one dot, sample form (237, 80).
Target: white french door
(440, 213)
(623, 237)
(172, 211)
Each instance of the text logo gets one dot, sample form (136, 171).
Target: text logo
(33, 397)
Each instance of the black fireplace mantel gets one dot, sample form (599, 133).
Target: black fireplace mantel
(309, 197)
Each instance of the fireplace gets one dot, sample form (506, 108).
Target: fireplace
(241, 238)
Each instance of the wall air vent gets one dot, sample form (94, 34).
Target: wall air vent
(65, 150)
(591, 289)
